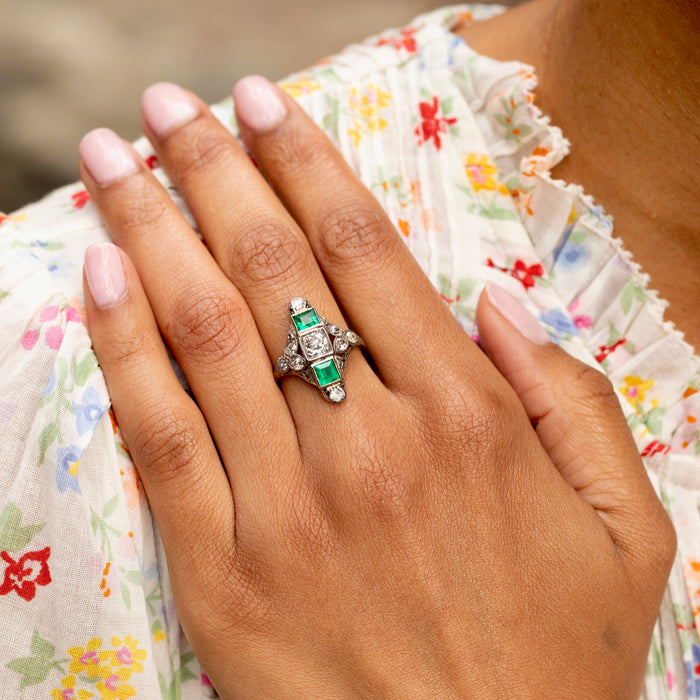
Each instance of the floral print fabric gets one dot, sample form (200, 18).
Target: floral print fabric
(454, 148)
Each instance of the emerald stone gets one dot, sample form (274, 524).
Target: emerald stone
(326, 372)
(305, 319)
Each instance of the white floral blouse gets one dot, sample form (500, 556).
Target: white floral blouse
(455, 149)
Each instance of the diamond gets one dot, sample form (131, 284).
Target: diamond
(326, 372)
(352, 337)
(305, 319)
(315, 344)
(336, 393)
(335, 330)
(283, 364)
(297, 304)
(297, 362)
(341, 344)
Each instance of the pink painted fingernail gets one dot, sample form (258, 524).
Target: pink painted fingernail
(165, 106)
(258, 103)
(516, 314)
(105, 274)
(106, 156)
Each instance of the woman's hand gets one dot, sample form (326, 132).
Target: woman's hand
(419, 539)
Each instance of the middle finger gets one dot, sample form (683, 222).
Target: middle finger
(251, 235)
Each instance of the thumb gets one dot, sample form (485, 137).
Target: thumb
(577, 416)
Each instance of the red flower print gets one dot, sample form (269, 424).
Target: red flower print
(525, 274)
(404, 41)
(3, 218)
(152, 162)
(605, 350)
(432, 124)
(24, 575)
(654, 448)
(80, 199)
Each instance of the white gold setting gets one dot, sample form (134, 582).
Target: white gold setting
(316, 350)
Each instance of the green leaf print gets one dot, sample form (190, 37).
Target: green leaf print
(3, 294)
(653, 420)
(13, 536)
(85, 368)
(110, 506)
(41, 647)
(126, 595)
(35, 669)
(330, 120)
(577, 237)
(632, 292)
(47, 437)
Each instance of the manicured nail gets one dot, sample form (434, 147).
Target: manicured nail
(516, 314)
(106, 156)
(105, 274)
(165, 106)
(258, 103)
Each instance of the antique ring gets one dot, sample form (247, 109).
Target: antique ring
(317, 351)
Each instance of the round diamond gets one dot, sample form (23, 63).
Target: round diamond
(297, 304)
(315, 344)
(297, 362)
(335, 330)
(352, 337)
(341, 344)
(283, 364)
(336, 394)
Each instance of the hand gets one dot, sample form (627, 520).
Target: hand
(419, 539)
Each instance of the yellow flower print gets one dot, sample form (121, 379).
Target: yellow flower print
(303, 86)
(87, 659)
(481, 173)
(635, 390)
(126, 654)
(365, 110)
(69, 692)
(112, 685)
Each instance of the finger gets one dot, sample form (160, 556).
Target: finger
(379, 284)
(167, 436)
(203, 318)
(249, 232)
(578, 420)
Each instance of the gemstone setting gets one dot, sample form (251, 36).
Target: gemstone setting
(326, 372)
(336, 393)
(305, 319)
(315, 344)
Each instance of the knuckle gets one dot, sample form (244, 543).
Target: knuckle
(166, 446)
(119, 351)
(203, 148)
(146, 207)
(208, 323)
(297, 151)
(270, 252)
(357, 234)
(593, 384)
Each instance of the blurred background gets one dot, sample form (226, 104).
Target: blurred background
(68, 66)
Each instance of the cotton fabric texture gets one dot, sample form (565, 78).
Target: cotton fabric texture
(455, 149)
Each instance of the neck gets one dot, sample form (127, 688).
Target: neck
(622, 80)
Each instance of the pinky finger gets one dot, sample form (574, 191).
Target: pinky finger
(167, 435)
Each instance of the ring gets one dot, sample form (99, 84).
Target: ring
(317, 351)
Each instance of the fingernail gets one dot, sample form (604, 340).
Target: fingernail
(106, 156)
(516, 314)
(165, 106)
(105, 274)
(258, 103)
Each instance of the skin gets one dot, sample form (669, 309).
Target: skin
(419, 539)
(621, 79)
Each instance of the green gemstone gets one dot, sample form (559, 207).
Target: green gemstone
(326, 372)
(305, 319)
